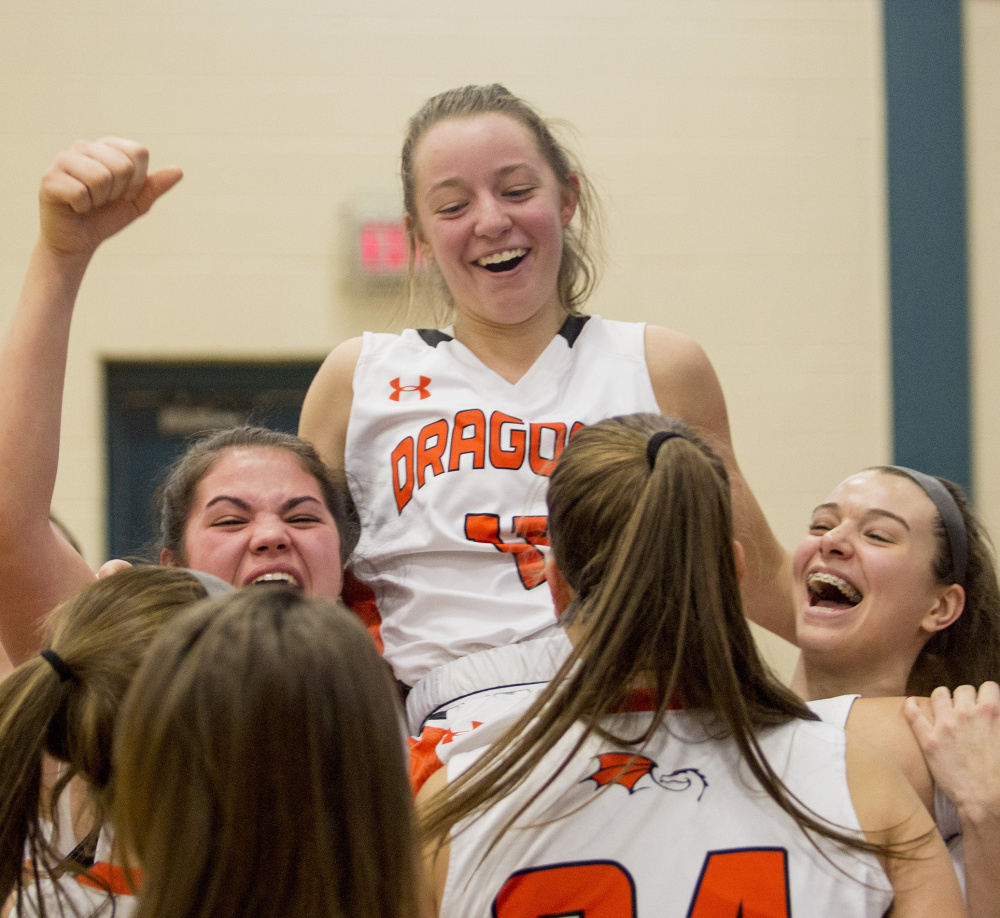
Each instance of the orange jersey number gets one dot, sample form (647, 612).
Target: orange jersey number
(747, 883)
(485, 527)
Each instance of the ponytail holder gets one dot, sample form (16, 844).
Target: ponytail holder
(656, 441)
(951, 517)
(58, 664)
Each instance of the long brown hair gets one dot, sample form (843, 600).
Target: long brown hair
(100, 636)
(260, 766)
(967, 652)
(648, 548)
(580, 267)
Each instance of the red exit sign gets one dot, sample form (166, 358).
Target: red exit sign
(383, 248)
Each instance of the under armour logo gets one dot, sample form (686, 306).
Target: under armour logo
(425, 381)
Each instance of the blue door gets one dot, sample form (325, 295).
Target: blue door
(154, 410)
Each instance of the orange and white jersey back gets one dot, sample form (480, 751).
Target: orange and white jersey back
(104, 890)
(448, 464)
(680, 830)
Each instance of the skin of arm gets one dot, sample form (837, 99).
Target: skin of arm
(90, 192)
(327, 406)
(435, 858)
(960, 738)
(686, 387)
(924, 883)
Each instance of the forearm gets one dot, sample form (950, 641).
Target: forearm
(981, 841)
(766, 587)
(32, 372)
(37, 569)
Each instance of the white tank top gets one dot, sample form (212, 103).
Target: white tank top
(448, 463)
(835, 711)
(685, 832)
(102, 891)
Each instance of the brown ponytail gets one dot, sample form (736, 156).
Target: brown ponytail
(648, 548)
(100, 636)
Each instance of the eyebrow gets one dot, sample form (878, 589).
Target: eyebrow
(289, 504)
(874, 512)
(502, 172)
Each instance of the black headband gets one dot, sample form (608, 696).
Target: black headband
(58, 664)
(951, 517)
(656, 441)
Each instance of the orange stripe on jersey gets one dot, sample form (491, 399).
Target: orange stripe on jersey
(360, 599)
(111, 878)
(424, 759)
(644, 700)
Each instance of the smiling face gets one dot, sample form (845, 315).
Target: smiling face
(257, 513)
(866, 594)
(490, 212)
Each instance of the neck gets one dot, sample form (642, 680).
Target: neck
(509, 350)
(815, 679)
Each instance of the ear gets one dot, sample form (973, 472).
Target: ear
(947, 609)
(420, 243)
(739, 556)
(562, 593)
(167, 559)
(570, 198)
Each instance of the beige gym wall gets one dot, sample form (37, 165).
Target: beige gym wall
(982, 133)
(738, 146)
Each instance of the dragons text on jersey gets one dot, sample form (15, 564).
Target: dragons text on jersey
(468, 441)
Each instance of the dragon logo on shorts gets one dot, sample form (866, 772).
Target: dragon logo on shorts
(626, 770)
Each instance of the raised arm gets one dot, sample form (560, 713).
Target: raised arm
(90, 192)
(960, 738)
(687, 388)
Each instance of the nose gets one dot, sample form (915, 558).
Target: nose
(492, 219)
(836, 542)
(269, 534)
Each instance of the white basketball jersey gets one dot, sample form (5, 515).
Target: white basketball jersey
(449, 463)
(680, 831)
(102, 891)
(835, 711)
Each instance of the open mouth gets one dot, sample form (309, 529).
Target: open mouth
(502, 261)
(278, 577)
(831, 592)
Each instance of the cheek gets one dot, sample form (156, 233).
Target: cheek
(203, 548)
(804, 552)
(904, 583)
(324, 564)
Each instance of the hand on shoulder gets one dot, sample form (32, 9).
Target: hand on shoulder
(959, 734)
